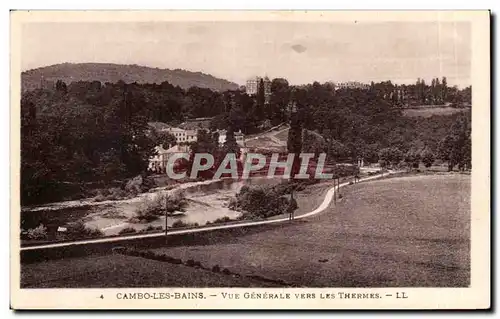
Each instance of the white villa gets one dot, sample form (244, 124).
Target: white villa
(158, 163)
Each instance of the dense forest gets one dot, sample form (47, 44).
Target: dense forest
(84, 133)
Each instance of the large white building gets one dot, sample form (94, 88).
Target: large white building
(158, 163)
(351, 85)
(181, 135)
(252, 86)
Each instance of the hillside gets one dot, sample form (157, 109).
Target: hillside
(106, 72)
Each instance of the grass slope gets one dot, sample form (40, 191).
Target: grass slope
(411, 231)
(118, 271)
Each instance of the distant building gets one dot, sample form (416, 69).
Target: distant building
(158, 163)
(181, 135)
(252, 87)
(240, 137)
(351, 85)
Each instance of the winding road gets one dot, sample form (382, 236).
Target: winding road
(326, 202)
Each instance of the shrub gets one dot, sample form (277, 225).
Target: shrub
(176, 202)
(152, 228)
(151, 209)
(262, 201)
(80, 230)
(143, 217)
(428, 157)
(216, 268)
(37, 233)
(127, 230)
(179, 224)
(221, 220)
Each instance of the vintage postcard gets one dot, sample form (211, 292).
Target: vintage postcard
(250, 160)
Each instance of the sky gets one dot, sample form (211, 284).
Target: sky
(301, 52)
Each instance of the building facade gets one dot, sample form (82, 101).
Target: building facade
(351, 85)
(252, 87)
(159, 162)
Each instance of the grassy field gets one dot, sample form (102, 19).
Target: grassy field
(430, 111)
(118, 271)
(406, 231)
(410, 231)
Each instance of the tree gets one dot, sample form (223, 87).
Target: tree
(313, 142)
(61, 87)
(230, 144)
(280, 98)
(455, 147)
(444, 89)
(390, 156)
(162, 138)
(412, 158)
(260, 103)
(427, 157)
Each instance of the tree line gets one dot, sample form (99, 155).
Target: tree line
(87, 133)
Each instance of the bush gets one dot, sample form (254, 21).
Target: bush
(151, 209)
(216, 268)
(79, 230)
(37, 233)
(262, 201)
(139, 184)
(220, 220)
(176, 202)
(127, 230)
(428, 157)
(143, 217)
(152, 228)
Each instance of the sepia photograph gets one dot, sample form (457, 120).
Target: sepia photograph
(328, 156)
